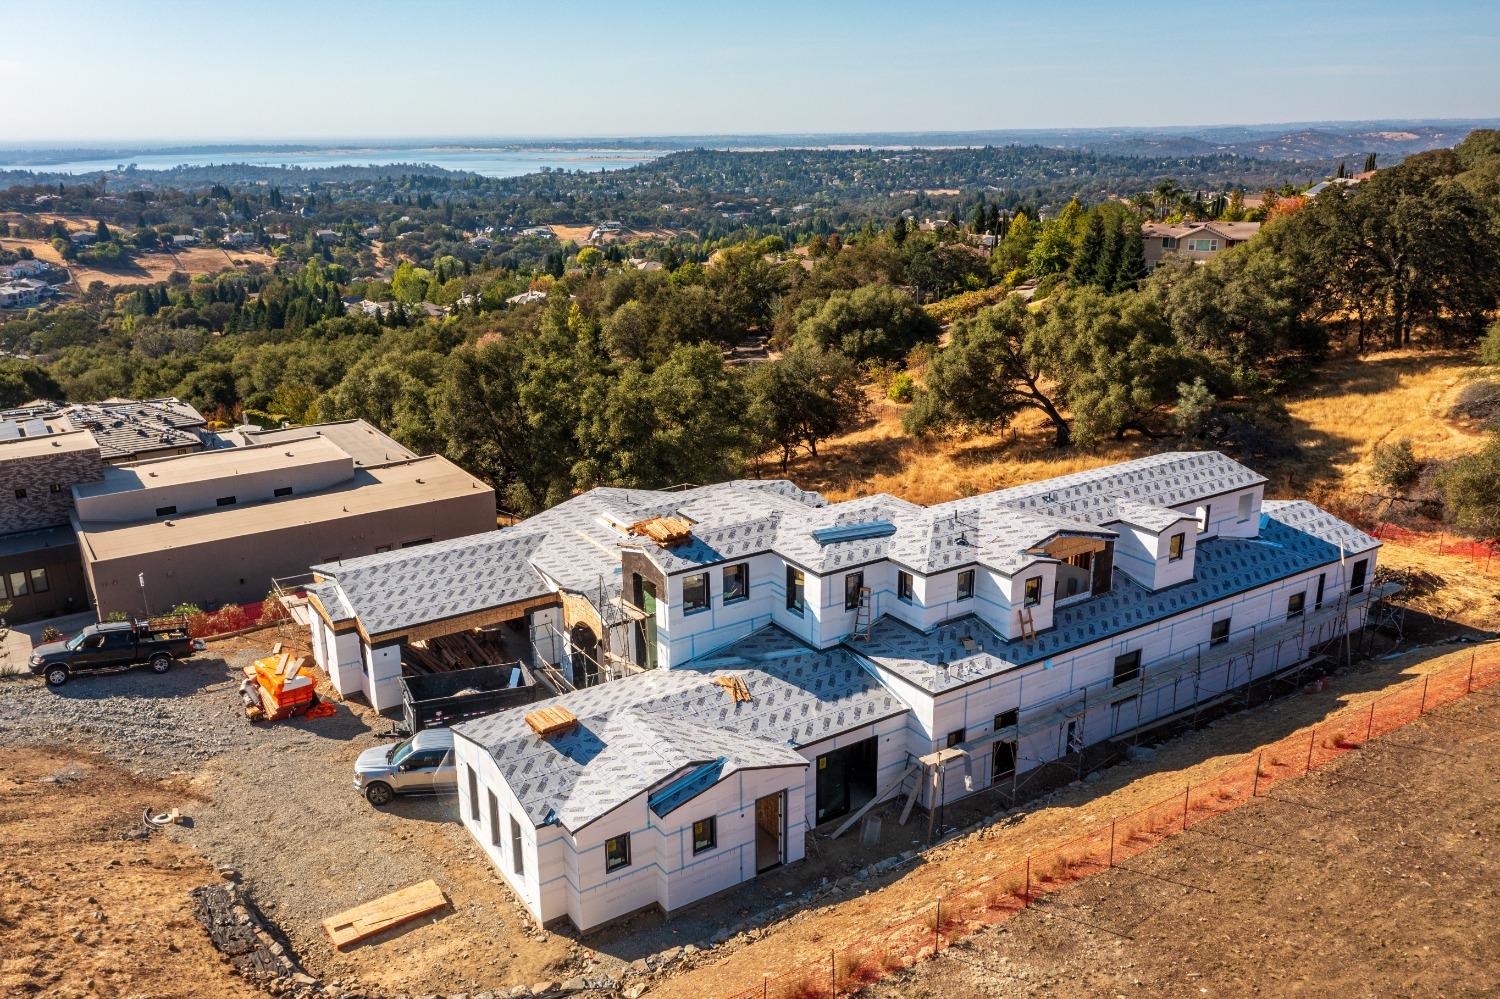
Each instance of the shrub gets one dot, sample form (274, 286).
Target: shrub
(902, 388)
(1471, 489)
(51, 634)
(185, 610)
(1195, 406)
(1395, 465)
(116, 616)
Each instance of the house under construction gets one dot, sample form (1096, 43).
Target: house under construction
(776, 663)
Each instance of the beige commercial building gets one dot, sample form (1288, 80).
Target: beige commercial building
(218, 526)
(206, 519)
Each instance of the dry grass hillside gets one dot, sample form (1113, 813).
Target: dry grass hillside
(1355, 404)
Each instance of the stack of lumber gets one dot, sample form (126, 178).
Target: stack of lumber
(665, 531)
(459, 651)
(735, 686)
(551, 721)
(363, 922)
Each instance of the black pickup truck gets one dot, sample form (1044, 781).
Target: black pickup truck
(113, 647)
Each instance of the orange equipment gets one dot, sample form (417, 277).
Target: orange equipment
(275, 687)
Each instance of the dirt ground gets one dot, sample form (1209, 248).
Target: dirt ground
(272, 802)
(148, 268)
(1379, 875)
(1068, 813)
(86, 912)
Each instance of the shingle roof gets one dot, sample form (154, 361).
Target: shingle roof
(1170, 479)
(638, 731)
(399, 589)
(939, 660)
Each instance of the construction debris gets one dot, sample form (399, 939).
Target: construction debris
(365, 921)
(464, 650)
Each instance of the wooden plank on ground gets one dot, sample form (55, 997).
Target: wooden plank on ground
(365, 921)
(911, 799)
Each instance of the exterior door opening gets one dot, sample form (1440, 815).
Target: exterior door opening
(585, 646)
(846, 779)
(768, 838)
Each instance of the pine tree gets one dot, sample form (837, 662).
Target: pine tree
(1132, 266)
(1370, 163)
(1085, 267)
(1109, 259)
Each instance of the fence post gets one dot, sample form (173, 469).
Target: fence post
(1422, 708)
(937, 926)
(1112, 842)
(1370, 727)
(1469, 687)
(833, 974)
(1255, 784)
(1312, 739)
(1028, 879)
(765, 986)
(1185, 792)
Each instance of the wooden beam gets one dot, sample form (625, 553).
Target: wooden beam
(879, 797)
(465, 622)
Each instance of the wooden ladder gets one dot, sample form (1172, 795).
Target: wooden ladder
(1028, 625)
(863, 616)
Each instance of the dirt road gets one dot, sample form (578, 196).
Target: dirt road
(1379, 875)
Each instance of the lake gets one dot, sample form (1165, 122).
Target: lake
(497, 161)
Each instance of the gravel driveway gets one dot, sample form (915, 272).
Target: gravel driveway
(274, 802)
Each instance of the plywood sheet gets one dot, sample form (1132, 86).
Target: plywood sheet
(363, 922)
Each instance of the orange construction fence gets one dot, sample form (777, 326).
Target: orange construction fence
(1482, 555)
(995, 898)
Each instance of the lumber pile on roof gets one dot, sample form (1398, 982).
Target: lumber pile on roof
(736, 687)
(665, 531)
(551, 721)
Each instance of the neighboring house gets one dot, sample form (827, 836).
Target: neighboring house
(1333, 182)
(327, 236)
(1198, 241)
(754, 662)
(482, 243)
(24, 293)
(240, 239)
(24, 269)
(527, 298)
(184, 239)
(84, 237)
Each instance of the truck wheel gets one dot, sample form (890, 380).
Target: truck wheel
(160, 664)
(57, 676)
(379, 793)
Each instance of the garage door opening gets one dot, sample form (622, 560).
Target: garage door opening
(846, 779)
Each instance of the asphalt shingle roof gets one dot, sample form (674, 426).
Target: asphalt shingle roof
(636, 732)
(1294, 537)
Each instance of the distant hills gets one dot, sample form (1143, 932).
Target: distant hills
(1308, 141)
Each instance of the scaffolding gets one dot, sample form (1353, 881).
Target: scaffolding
(1290, 644)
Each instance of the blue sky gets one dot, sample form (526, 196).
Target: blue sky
(211, 69)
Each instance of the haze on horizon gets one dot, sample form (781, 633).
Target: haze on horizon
(208, 70)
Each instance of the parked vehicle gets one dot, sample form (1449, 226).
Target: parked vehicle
(421, 764)
(114, 647)
(448, 698)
